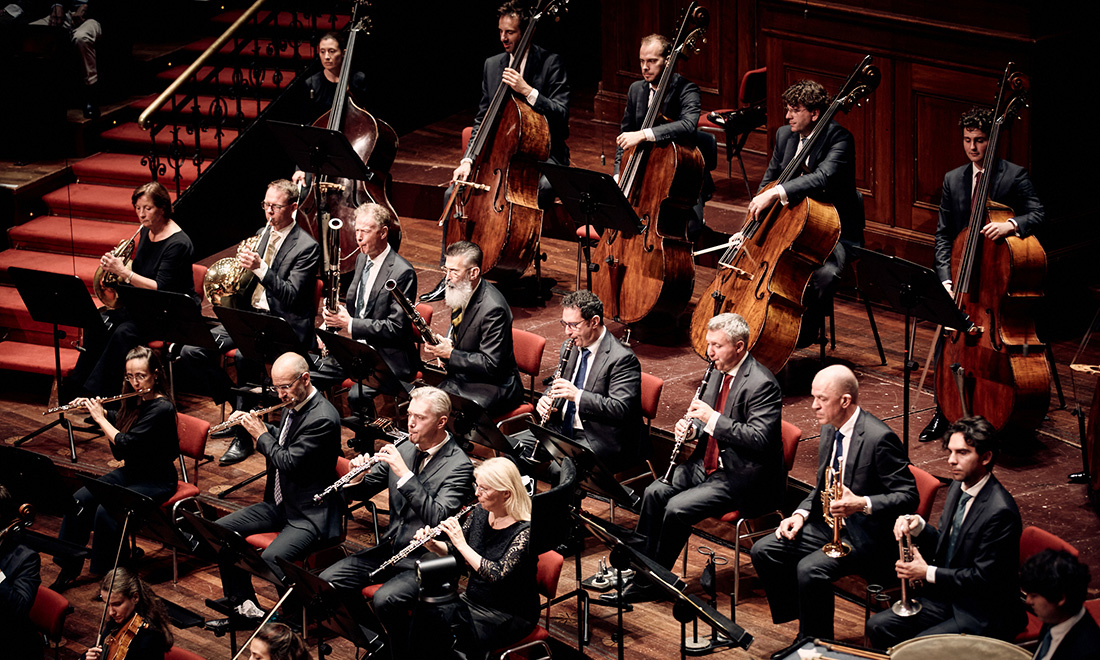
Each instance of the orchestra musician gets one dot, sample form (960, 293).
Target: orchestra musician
(737, 461)
(301, 453)
(877, 487)
(142, 433)
(970, 574)
(598, 392)
(131, 597)
(161, 261)
(500, 605)
(1011, 186)
(1055, 585)
(478, 353)
(276, 641)
(541, 81)
(829, 177)
(428, 478)
(279, 279)
(20, 577)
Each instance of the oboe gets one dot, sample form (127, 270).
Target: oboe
(680, 438)
(229, 423)
(555, 404)
(354, 472)
(412, 547)
(78, 406)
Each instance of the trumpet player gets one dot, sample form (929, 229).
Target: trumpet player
(737, 462)
(876, 487)
(969, 561)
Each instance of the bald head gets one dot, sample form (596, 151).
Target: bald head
(290, 377)
(836, 393)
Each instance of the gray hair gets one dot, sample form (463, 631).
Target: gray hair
(733, 325)
(439, 402)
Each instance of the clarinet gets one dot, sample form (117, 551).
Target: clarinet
(354, 472)
(412, 547)
(681, 438)
(417, 320)
(555, 404)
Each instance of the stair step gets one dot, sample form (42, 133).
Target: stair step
(20, 327)
(131, 136)
(88, 200)
(285, 20)
(81, 236)
(126, 170)
(225, 76)
(35, 358)
(303, 51)
(82, 267)
(249, 107)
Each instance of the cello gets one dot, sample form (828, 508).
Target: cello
(662, 183)
(997, 367)
(764, 277)
(374, 141)
(496, 206)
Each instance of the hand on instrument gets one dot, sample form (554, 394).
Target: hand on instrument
(700, 411)
(94, 653)
(950, 291)
(94, 408)
(435, 545)
(512, 78)
(390, 456)
(299, 178)
(543, 405)
(248, 259)
(253, 425)
(453, 530)
(912, 570)
(905, 524)
(79, 13)
(441, 350)
(337, 322)
(684, 429)
(736, 240)
(998, 230)
(789, 527)
(848, 504)
(762, 201)
(462, 172)
(630, 139)
(562, 389)
(113, 264)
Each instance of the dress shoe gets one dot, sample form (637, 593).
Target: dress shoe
(783, 653)
(224, 434)
(436, 294)
(239, 450)
(65, 579)
(935, 429)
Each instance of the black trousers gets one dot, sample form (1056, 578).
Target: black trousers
(292, 543)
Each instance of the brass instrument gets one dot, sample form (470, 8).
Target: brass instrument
(103, 283)
(682, 437)
(355, 472)
(410, 548)
(80, 406)
(227, 277)
(417, 320)
(834, 490)
(556, 403)
(260, 412)
(332, 265)
(906, 606)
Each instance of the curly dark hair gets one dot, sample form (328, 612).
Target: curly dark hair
(978, 433)
(586, 301)
(977, 117)
(516, 8)
(808, 94)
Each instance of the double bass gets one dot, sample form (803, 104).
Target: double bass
(764, 277)
(997, 367)
(374, 141)
(497, 205)
(652, 273)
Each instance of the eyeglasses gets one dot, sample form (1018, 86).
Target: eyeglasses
(274, 207)
(454, 271)
(478, 488)
(572, 325)
(136, 377)
(286, 388)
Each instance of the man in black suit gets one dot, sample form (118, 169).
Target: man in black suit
(829, 177)
(540, 80)
(301, 455)
(1010, 186)
(1055, 585)
(598, 394)
(971, 585)
(429, 479)
(279, 279)
(20, 569)
(481, 363)
(877, 487)
(737, 462)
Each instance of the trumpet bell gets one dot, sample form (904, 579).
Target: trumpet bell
(836, 550)
(906, 608)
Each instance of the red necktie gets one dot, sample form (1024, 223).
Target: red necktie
(710, 459)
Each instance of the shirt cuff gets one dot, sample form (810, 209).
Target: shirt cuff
(1016, 225)
(649, 134)
(867, 506)
(801, 512)
(930, 575)
(404, 480)
(782, 194)
(712, 422)
(532, 96)
(261, 272)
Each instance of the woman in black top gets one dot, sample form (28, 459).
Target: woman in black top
(150, 638)
(143, 434)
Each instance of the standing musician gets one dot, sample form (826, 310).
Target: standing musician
(1011, 186)
(429, 478)
(737, 462)
(829, 177)
(301, 455)
(540, 80)
(137, 619)
(877, 487)
(481, 363)
(280, 279)
(970, 574)
(596, 398)
(161, 261)
(1055, 585)
(20, 577)
(141, 433)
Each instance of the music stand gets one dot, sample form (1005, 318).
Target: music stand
(174, 318)
(361, 362)
(32, 477)
(469, 421)
(916, 292)
(592, 475)
(58, 300)
(596, 198)
(221, 540)
(329, 610)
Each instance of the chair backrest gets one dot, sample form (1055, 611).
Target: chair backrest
(651, 395)
(467, 133)
(791, 435)
(528, 348)
(927, 487)
(49, 611)
(176, 653)
(1034, 540)
(318, 289)
(198, 274)
(549, 571)
(754, 86)
(343, 465)
(193, 433)
(426, 311)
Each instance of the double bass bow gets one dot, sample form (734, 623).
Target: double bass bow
(653, 272)
(764, 277)
(997, 368)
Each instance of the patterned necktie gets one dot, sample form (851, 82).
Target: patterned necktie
(269, 254)
(571, 406)
(361, 292)
(1044, 646)
(456, 319)
(956, 523)
(838, 452)
(283, 433)
(710, 458)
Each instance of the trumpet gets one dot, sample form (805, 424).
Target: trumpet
(556, 403)
(410, 548)
(102, 281)
(834, 490)
(417, 320)
(906, 606)
(260, 412)
(80, 406)
(354, 472)
(682, 437)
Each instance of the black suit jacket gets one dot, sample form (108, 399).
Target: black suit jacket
(21, 567)
(307, 464)
(482, 366)
(1082, 640)
(831, 179)
(386, 327)
(681, 106)
(981, 582)
(1011, 187)
(290, 282)
(545, 72)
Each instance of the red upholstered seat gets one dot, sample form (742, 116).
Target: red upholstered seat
(1034, 540)
(193, 433)
(927, 486)
(48, 614)
(549, 573)
(176, 653)
(261, 541)
(528, 348)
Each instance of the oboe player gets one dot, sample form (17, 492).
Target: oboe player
(737, 462)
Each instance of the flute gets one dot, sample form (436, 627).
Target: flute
(354, 472)
(229, 423)
(78, 406)
(412, 547)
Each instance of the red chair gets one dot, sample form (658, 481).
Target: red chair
(738, 124)
(549, 573)
(927, 487)
(528, 348)
(176, 653)
(651, 389)
(1034, 540)
(48, 615)
(193, 433)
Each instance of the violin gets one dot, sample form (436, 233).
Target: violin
(118, 643)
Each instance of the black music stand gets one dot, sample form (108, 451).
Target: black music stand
(33, 478)
(592, 475)
(328, 608)
(58, 300)
(595, 198)
(916, 292)
(363, 364)
(175, 318)
(129, 507)
(470, 422)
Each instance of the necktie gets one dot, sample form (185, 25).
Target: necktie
(361, 292)
(956, 523)
(1044, 646)
(269, 254)
(571, 407)
(974, 190)
(456, 319)
(710, 458)
(283, 433)
(420, 456)
(838, 452)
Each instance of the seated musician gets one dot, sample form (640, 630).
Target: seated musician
(480, 360)
(1055, 585)
(541, 81)
(501, 603)
(876, 487)
(131, 602)
(969, 563)
(829, 177)
(276, 641)
(738, 458)
(596, 398)
(20, 577)
(161, 261)
(280, 276)
(1011, 186)
(301, 453)
(141, 433)
(428, 478)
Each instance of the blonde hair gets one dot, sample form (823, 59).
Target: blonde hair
(439, 402)
(501, 474)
